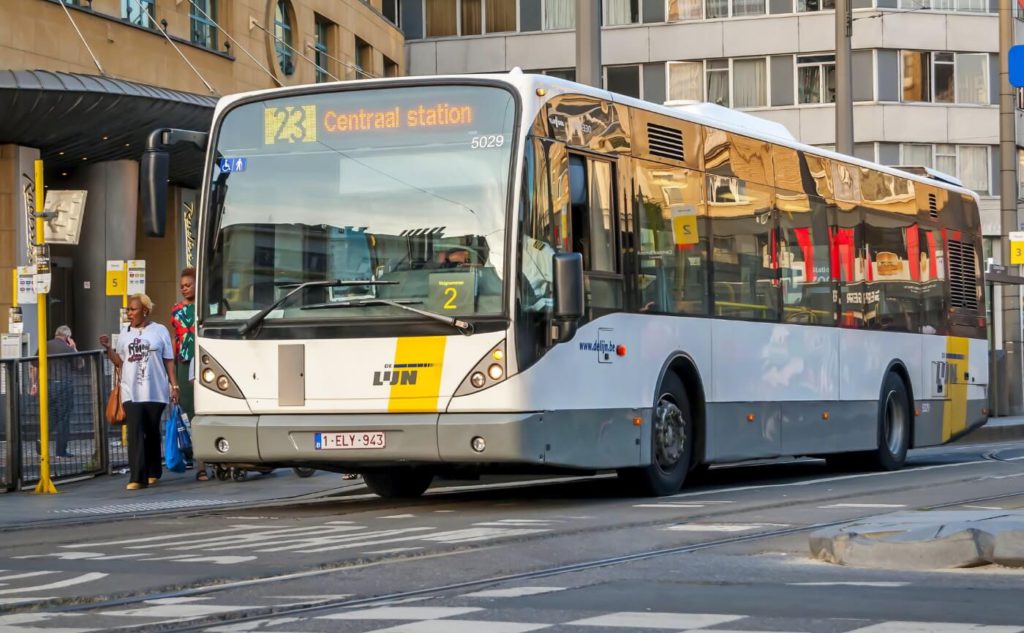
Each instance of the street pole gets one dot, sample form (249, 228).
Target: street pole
(1009, 220)
(588, 43)
(45, 485)
(844, 78)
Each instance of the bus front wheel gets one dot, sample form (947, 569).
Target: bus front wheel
(398, 483)
(671, 443)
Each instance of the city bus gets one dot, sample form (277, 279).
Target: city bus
(428, 276)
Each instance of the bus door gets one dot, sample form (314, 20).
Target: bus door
(591, 225)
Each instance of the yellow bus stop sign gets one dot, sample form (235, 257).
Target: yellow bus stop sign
(1016, 247)
(116, 278)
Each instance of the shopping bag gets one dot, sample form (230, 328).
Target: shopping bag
(174, 457)
(184, 436)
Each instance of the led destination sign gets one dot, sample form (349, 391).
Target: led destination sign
(421, 116)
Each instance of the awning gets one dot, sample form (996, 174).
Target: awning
(75, 119)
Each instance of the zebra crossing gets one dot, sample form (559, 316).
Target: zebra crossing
(241, 543)
(491, 611)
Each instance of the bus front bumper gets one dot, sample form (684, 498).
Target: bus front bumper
(588, 439)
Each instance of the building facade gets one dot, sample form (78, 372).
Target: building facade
(82, 83)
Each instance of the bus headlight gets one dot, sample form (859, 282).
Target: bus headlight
(489, 371)
(215, 378)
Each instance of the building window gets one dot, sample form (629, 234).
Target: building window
(324, 37)
(945, 77)
(974, 166)
(684, 81)
(390, 68)
(617, 12)
(733, 8)
(140, 12)
(681, 10)
(816, 79)
(203, 23)
(749, 83)
(968, 6)
(283, 37)
(815, 5)
(569, 74)
(623, 80)
(718, 81)
(969, 163)
(364, 59)
(559, 14)
(447, 18)
(389, 9)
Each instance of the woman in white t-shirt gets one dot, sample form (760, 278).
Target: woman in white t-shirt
(146, 358)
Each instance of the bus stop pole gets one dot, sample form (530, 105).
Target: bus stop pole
(588, 43)
(45, 485)
(844, 78)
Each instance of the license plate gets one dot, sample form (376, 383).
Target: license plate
(350, 439)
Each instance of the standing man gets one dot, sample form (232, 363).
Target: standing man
(61, 386)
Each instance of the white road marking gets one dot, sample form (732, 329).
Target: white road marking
(652, 620)
(307, 545)
(245, 627)
(985, 507)
(77, 580)
(462, 626)
(167, 537)
(669, 505)
(511, 592)
(467, 535)
(401, 613)
(721, 527)
(443, 511)
(28, 574)
(862, 505)
(398, 516)
(849, 584)
(11, 623)
(936, 627)
(213, 560)
(176, 612)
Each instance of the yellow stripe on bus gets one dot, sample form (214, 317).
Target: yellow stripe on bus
(954, 409)
(418, 362)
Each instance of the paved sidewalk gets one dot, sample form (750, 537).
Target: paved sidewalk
(1000, 429)
(105, 497)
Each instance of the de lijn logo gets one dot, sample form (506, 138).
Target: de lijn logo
(399, 374)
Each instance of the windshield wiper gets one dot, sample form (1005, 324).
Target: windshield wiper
(464, 327)
(253, 321)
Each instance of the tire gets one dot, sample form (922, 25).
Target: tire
(894, 425)
(398, 483)
(238, 474)
(304, 472)
(223, 474)
(671, 443)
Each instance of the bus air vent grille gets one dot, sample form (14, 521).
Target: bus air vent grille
(666, 142)
(963, 277)
(933, 206)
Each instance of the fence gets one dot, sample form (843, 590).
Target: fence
(81, 442)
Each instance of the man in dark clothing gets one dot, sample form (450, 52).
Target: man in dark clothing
(60, 387)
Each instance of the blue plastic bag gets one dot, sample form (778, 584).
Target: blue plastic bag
(177, 442)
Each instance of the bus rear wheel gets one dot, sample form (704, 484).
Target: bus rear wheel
(398, 483)
(671, 443)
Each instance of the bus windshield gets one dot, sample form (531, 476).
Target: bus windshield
(403, 187)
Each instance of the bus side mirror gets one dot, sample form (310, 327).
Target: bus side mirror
(155, 169)
(568, 294)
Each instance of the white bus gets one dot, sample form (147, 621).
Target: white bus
(515, 273)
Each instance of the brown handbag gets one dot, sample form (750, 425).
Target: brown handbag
(115, 408)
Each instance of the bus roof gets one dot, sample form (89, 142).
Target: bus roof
(701, 113)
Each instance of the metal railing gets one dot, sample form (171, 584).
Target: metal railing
(79, 442)
(8, 426)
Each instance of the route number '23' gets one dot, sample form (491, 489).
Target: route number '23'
(289, 124)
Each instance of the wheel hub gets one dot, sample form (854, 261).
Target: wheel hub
(669, 434)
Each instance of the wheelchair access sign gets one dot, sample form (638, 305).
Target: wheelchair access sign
(232, 165)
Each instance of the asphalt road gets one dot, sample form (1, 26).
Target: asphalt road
(729, 553)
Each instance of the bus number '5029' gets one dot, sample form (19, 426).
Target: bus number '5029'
(289, 124)
(487, 140)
